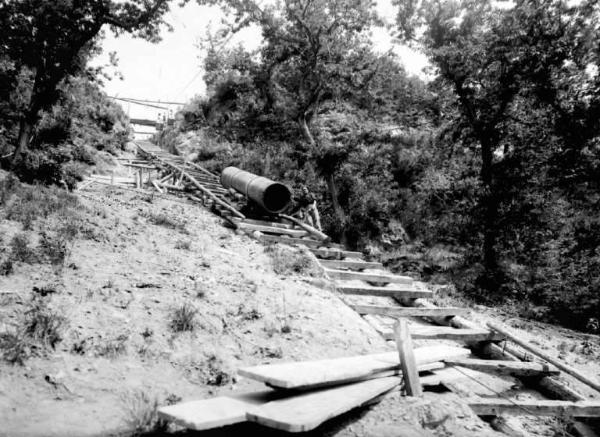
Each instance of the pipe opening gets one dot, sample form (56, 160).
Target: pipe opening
(277, 197)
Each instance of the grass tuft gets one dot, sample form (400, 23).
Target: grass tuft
(184, 318)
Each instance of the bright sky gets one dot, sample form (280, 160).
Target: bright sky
(171, 69)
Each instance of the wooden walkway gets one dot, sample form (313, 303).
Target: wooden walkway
(377, 295)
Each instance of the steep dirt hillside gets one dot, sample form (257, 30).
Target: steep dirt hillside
(114, 301)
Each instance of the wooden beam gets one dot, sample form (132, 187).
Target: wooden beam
(497, 406)
(306, 411)
(448, 333)
(538, 352)
(313, 231)
(514, 368)
(295, 233)
(350, 265)
(291, 241)
(391, 311)
(306, 375)
(264, 223)
(334, 253)
(408, 363)
(405, 292)
(348, 275)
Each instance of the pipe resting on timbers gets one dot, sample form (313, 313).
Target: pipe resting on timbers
(273, 197)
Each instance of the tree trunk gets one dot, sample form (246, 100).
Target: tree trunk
(490, 209)
(25, 130)
(337, 208)
(303, 124)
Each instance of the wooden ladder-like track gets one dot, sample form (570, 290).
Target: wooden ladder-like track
(378, 296)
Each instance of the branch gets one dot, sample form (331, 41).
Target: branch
(130, 23)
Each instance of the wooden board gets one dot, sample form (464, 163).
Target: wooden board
(296, 233)
(216, 412)
(311, 374)
(351, 265)
(498, 406)
(404, 292)
(334, 253)
(264, 223)
(408, 363)
(373, 277)
(448, 333)
(392, 311)
(515, 368)
(288, 240)
(307, 411)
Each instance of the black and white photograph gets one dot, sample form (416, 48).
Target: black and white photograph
(313, 218)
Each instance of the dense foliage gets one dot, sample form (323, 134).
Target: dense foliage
(44, 46)
(495, 160)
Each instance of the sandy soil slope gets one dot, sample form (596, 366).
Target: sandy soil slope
(120, 355)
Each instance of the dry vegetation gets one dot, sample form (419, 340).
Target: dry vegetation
(112, 303)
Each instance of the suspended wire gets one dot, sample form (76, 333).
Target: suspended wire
(139, 103)
(131, 99)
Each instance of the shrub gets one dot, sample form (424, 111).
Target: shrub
(6, 267)
(54, 246)
(291, 261)
(162, 219)
(42, 324)
(20, 250)
(15, 348)
(141, 412)
(114, 347)
(183, 318)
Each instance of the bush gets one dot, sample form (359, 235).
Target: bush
(141, 413)
(42, 324)
(15, 348)
(183, 318)
(20, 250)
(287, 261)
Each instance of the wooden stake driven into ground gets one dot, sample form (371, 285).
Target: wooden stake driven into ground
(410, 374)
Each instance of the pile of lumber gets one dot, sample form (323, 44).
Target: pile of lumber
(303, 395)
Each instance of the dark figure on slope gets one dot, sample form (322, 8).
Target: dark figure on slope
(305, 208)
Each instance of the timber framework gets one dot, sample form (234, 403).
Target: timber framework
(300, 396)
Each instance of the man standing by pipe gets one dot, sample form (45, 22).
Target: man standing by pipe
(305, 208)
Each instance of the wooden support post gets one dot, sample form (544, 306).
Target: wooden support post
(407, 359)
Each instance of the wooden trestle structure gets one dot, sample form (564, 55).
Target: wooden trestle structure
(322, 384)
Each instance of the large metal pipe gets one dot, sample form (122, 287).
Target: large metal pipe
(273, 196)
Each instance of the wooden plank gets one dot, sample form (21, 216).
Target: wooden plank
(264, 223)
(350, 265)
(408, 363)
(497, 406)
(405, 292)
(311, 374)
(307, 411)
(448, 333)
(296, 233)
(538, 352)
(313, 231)
(514, 368)
(391, 311)
(205, 414)
(292, 241)
(371, 277)
(334, 253)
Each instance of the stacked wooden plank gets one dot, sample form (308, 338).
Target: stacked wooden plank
(306, 394)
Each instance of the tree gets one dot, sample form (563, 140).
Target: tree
(312, 53)
(54, 39)
(490, 58)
